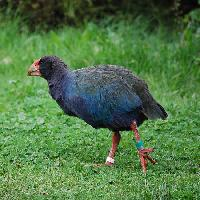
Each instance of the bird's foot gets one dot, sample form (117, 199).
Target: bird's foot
(109, 164)
(144, 157)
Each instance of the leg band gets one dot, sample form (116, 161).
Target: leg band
(140, 145)
(110, 160)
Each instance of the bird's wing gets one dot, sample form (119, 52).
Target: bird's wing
(102, 92)
(126, 84)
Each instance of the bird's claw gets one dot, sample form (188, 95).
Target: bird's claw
(108, 164)
(144, 157)
(147, 150)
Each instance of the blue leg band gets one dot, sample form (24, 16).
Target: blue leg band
(140, 145)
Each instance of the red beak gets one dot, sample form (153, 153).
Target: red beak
(34, 70)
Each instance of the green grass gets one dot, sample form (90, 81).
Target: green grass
(47, 155)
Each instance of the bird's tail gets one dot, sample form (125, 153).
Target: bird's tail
(161, 111)
(155, 111)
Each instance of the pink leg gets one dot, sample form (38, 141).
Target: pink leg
(115, 141)
(143, 153)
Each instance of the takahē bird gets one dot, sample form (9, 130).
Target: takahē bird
(104, 96)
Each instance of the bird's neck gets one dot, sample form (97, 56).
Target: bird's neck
(57, 76)
(56, 84)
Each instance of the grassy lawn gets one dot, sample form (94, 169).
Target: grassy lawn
(45, 154)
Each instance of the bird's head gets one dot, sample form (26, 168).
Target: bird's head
(47, 67)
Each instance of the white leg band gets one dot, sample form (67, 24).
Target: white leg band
(110, 160)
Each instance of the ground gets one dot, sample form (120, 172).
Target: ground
(45, 154)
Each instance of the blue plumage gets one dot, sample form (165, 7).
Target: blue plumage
(100, 106)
